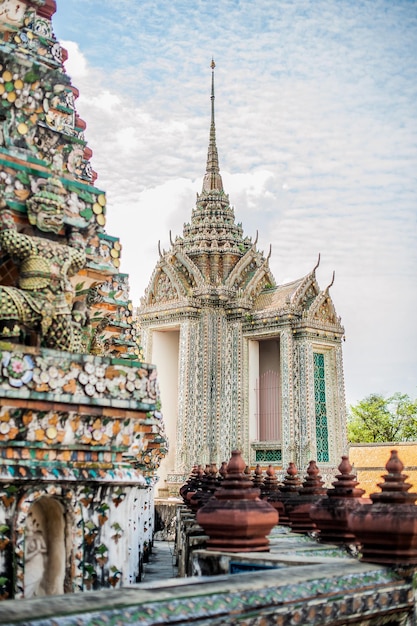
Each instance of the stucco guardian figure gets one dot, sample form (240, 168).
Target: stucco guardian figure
(42, 302)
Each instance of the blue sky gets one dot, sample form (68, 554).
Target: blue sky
(316, 116)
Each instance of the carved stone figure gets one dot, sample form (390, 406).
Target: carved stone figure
(45, 208)
(44, 549)
(43, 300)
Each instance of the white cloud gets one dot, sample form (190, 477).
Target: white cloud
(76, 64)
(316, 126)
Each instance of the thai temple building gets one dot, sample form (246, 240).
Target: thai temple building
(81, 432)
(243, 362)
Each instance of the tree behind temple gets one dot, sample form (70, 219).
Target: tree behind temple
(379, 419)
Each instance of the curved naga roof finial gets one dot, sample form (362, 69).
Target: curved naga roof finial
(332, 281)
(170, 238)
(256, 238)
(316, 265)
(212, 179)
(270, 252)
(159, 248)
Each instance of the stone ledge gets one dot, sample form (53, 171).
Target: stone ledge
(318, 592)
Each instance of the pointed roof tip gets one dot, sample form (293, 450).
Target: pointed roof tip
(317, 264)
(332, 281)
(212, 179)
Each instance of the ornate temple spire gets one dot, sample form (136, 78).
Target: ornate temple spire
(212, 179)
(212, 239)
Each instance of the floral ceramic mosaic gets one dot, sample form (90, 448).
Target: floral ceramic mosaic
(81, 431)
(78, 375)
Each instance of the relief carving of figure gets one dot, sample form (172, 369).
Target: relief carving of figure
(35, 559)
(43, 300)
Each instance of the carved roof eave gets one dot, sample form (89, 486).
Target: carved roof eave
(300, 291)
(293, 292)
(289, 318)
(254, 287)
(162, 267)
(165, 265)
(188, 263)
(214, 195)
(169, 307)
(313, 325)
(246, 259)
(220, 292)
(304, 317)
(276, 298)
(323, 298)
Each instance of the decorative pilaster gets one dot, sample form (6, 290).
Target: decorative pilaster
(287, 407)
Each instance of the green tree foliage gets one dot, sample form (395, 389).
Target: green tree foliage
(379, 419)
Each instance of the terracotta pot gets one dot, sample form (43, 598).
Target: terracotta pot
(235, 518)
(387, 528)
(289, 492)
(298, 510)
(330, 513)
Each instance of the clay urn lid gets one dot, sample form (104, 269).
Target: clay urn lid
(212, 481)
(207, 487)
(394, 489)
(188, 485)
(270, 481)
(196, 485)
(235, 518)
(313, 484)
(292, 481)
(237, 485)
(272, 492)
(345, 485)
(258, 478)
(223, 470)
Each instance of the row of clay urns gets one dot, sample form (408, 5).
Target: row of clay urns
(310, 507)
(387, 528)
(384, 525)
(201, 485)
(292, 499)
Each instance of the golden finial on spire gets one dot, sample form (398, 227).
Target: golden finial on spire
(213, 65)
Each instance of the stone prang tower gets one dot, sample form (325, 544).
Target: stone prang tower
(81, 435)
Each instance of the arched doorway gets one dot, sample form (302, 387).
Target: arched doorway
(45, 554)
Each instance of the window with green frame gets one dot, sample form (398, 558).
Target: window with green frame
(268, 456)
(322, 432)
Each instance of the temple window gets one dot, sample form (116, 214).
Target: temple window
(268, 455)
(267, 391)
(266, 399)
(322, 433)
